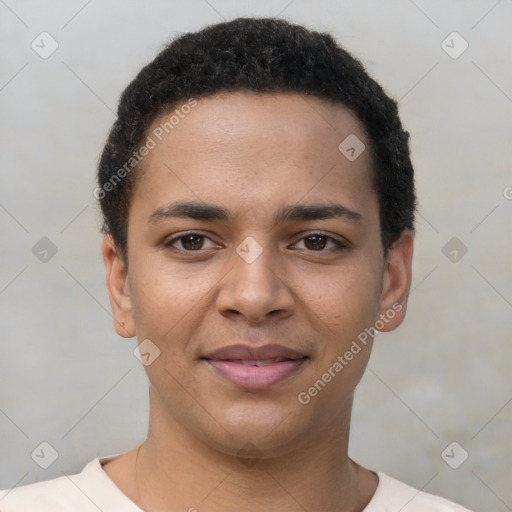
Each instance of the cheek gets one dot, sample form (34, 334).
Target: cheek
(344, 299)
(166, 308)
(165, 301)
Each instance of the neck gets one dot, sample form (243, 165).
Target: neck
(177, 471)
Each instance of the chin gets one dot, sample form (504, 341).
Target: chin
(257, 431)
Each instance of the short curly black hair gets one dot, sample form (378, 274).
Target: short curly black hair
(263, 55)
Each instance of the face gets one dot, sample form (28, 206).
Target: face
(256, 269)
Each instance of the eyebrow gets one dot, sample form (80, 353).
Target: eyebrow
(211, 212)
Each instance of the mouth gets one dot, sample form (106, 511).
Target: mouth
(254, 368)
(261, 362)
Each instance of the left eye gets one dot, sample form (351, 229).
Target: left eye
(318, 242)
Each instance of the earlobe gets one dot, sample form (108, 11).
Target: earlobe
(396, 283)
(118, 288)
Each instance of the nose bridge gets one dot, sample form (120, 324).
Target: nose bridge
(253, 286)
(253, 263)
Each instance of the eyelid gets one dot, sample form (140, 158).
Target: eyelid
(341, 242)
(178, 236)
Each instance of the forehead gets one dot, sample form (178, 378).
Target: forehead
(256, 120)
(257, 150)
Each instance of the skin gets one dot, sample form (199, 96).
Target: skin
(253, 154)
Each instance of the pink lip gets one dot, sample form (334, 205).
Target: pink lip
(229, 363)
(256, 377)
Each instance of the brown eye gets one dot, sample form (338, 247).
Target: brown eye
(319, 242)
(192, 242)
(315, 242)
(189, 242)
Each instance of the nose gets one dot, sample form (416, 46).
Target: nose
(254, 288)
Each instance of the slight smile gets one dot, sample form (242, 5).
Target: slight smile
(254, 368)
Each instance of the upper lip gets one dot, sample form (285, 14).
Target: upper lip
(251, 353)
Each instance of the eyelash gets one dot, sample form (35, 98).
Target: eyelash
(338, 243)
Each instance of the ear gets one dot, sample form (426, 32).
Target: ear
(396, 283)
(118, 288)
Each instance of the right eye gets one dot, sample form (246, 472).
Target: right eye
(190, 242)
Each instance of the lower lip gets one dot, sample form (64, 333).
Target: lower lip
(256, 377)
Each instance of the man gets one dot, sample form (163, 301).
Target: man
(258, 202)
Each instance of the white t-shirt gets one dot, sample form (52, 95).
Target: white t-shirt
(92, 490)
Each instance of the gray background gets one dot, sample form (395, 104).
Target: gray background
(443, 376)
